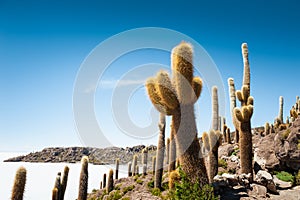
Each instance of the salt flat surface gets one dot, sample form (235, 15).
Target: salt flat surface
(41, 177)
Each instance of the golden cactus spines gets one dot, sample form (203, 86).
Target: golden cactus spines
(64, 182)
(174, 177)
(197, 87)
(267, 128)
(19, 184)
(206, 143)
(166, 91)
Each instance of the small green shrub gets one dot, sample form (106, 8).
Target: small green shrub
(117, 187)
(114, 195)
(298, 145)
(139, 181)
(222, 163)
(156, 192)
(185, 190)
(125, 198)
(151, 184)
(232, 171)
(127, 189)
(235, 151)
(285, 176)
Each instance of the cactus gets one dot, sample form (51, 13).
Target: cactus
(101, 185)
(172, 152)
(215, 109)
(160, 152)
(225, 133)
(174, 176)
(64, 182)
(232, 106)
(228, 135)
(177, 98)
(57, 184)
(117, 168)
(243, 116)
(223, 122)
(287, 120)
(110, 181)
(167, 151)
(153, 164)
(129, 169)
(55, 194)
(19, 184)
(134, 164)
(267, 128)
(144, 160)
(104, 180)
(137, 171)
(212, 142)
(83, 183)
(280, 115)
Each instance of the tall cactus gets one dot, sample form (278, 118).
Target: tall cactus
(232, 106)
(280, 114)
(145, 160)
(64, 182)
(167, 151)
(153, 165)
(104, 180)
(267, 128)
(215, 109)
(228, 135)
(211, 142)
(172, 151)
(110, 181)
(57, 184)
(243, 116)
(117, 168)
(177, 98)
(55, 194)
(19, 184)
(83, 183)
(134, 164)
(160, 152)
(129, 169)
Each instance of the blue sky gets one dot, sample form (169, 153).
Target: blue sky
(43, 43)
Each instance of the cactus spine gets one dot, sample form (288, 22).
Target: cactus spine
(212, 142)
(145, 160)
(110, 181)
(160, 152)
(280, 115)
(117, 168)
(215, 109)
(83, 183)
(172, 152)
(177, 98)
(232, 106)
(243, 116)
(19, 184)
(129, 169)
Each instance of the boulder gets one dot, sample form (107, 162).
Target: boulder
(259, 191)
(265, 178)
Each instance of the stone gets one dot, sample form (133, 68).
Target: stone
(265, 178)
(282, 184)
(258, 190)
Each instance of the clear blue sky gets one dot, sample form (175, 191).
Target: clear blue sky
(43, 43)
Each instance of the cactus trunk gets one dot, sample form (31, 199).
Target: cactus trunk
(83, 184)
(110, 181)
(19, 184)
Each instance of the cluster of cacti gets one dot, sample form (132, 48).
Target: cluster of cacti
(160, 152)
(110, 181)
(58, 192)
(117, 168)
(144, 160)
(211, 142)
(295, 111)
(226, 134)
(83, 180)
(242, 117)
(176, 97)
(232, 107)
(19, 184)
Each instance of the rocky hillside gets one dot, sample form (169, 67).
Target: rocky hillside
(74, 154)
